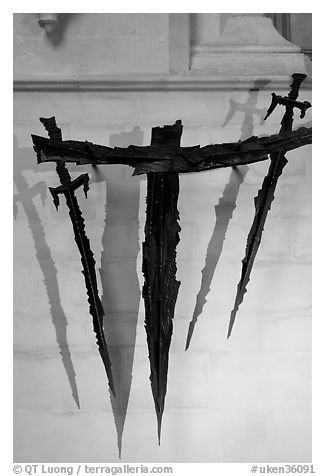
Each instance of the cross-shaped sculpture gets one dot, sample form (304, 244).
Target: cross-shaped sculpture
(162, 161)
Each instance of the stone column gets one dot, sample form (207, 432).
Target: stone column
(238, 44)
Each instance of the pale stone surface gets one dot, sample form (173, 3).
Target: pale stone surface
(238, 400)
(294, 432)
(246, 44)
(91, 44)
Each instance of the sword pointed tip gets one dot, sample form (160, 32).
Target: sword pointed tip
(231, 324)
(107, 364)
(111, 387)
(159, 418)
(110, 380)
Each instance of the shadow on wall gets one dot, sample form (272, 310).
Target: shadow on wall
(25, 159)
(121, 291)
(227, 203)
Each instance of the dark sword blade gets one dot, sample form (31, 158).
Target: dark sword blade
(263, 202)
(159, 268)
(227, 204)
(88, 263)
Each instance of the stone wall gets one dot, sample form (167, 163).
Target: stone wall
(238, 400)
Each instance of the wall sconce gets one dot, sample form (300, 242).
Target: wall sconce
(48, 21)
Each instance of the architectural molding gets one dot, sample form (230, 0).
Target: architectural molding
(247, 44)
(155, 83)
(233, 52)
(231, 49)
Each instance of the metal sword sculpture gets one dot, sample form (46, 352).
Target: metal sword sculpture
(227, 203)
(265, 195)
(158, 158)
(68, 188)
(160, 287)
(161, 161)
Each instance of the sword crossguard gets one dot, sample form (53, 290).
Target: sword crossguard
(69, 187)
(274, 103)
(290, 100)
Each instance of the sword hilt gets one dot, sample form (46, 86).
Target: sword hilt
(71, 186)
(55, 134)
(290, 100)
(67, 184)
(297, 79)
(63, 173)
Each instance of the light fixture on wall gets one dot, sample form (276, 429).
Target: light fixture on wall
(48, 21)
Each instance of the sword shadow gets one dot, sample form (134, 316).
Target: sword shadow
(120, 284)
(24, 158)
(227, 203)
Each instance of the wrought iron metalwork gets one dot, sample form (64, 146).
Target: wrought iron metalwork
(157, 159)
(160, 287)
(265, 196)
(162, 161)
(68, 188)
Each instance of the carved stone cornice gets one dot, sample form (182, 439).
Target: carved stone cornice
(188, 82)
